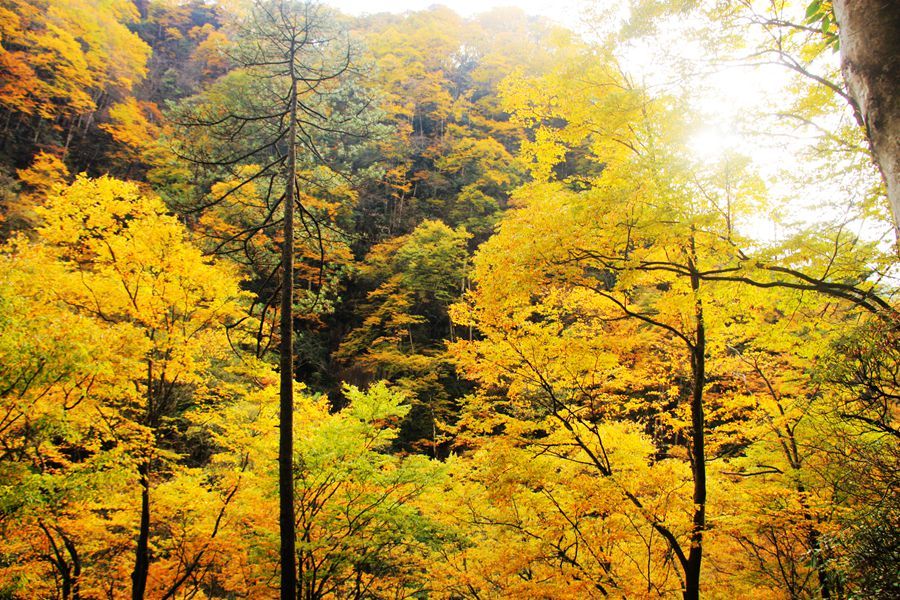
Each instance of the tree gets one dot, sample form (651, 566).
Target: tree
(871, 67)
(45, 172)
(644, 373)
(134, 126)
(450, 152)
(67, 480)
(635, 233)
(130, 263)
(186, 39)
(289, 57)
(862, 443)
(360, 531)
(802, 38)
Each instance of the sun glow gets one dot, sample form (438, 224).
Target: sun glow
(711, 143)
(565, 12)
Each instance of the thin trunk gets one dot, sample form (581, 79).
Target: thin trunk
(286, 392)
(76, 566)
(698, 442)
(70, 573)
(69, 137)
(792, 456)
(142, 554)
(829, 585)
(142, 8)
(434, 443)
(301, 575)
(819, 563)
(87, 123)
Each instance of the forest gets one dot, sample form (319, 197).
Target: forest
(303, 304)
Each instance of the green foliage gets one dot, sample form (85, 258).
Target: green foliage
(405, 319)
(820, 13)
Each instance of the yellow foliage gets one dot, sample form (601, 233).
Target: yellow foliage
(56, 54)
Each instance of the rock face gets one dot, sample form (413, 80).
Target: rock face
(870, 60)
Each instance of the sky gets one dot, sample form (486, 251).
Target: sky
(563, 11)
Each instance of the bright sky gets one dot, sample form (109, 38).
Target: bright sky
(563, 11)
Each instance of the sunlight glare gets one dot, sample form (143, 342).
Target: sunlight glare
(711, 143)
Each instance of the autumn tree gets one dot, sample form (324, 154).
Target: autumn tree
(38, 181)
(360, 531)
(860, 434)
(548, 346)
(186, 39)
(637, 236)
(826, 71)
(66, 479)
(361, 528)
(116, 267)
(136, 267)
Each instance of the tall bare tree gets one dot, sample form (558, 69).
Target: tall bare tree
(264, 124)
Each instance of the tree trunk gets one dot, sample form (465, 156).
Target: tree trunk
(286, 391)
(76, 566)
(698, 441)
(142, 554)
(69, 573)
(870, 60)
(142, 8)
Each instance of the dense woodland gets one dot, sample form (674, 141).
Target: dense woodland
(510, 336)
